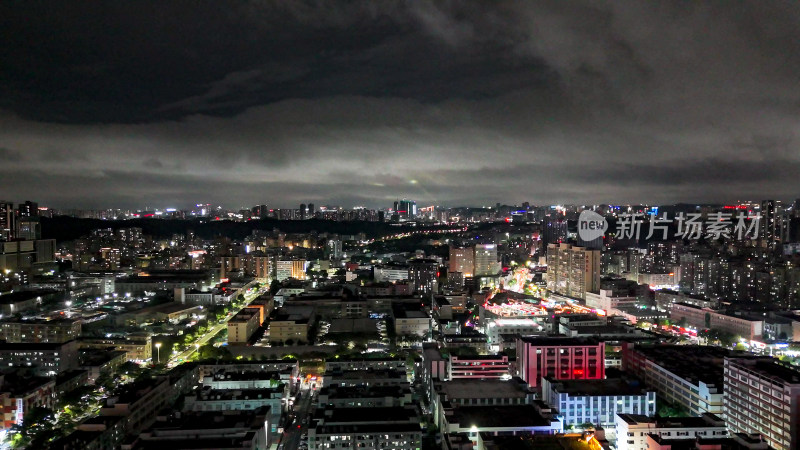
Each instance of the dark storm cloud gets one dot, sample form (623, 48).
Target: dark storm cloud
(361, 102)
(8, 155)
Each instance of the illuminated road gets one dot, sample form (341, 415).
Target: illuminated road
(218, 327)
(291, 436)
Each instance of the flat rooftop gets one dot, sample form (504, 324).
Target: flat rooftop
(499, 416)
(466, 388)
(560, 341)
(400, 313)
(693, 363)
(609, 386)
(774, 370)
(339, 392)
(343, 416)
(704, 421)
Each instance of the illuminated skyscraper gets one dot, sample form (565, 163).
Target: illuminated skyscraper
(486, 260)
(405, 209)
(572, 271)
(7, 222)
(462, 260)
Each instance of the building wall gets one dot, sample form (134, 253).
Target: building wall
(634, 436)
(578, 362)
(702, 318)
(596, 409)
(696, 397)
(572, 271)
(755, 402)
(37, 331)
(242, 326)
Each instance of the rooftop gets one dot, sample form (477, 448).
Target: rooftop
(771, 369)
(706, 420)
(609, 386)
(473, 388)
(560, 341)
(694, 363)
(500, 416)
(338, 392)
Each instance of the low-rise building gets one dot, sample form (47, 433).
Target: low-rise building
(243, 326)
(472, 392)
(97, 363)
(20, 393)
(750, 328)
(633, 429)
(40, 330)
(45, 359)
(687, 376)
(208, 399)
(597, 401)
(365, 396)
(479, 367)
(375, 428)
(369, 377)
(250, 379)
(168, 312)
(500, 420)
(245, 430)
(137, 347)
(561, 358)
(411, 321)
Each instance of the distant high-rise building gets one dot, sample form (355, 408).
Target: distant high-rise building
(28, 209)
(462, 260)
(405, 209)
(7, 221)
(572, 271)
(771, 226)
(303, 211)
(28, 228)
(260, 211)
(486, 263)
(423, 274)
(554, 230)
(311, 211)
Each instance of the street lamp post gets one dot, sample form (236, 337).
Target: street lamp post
(158, 351)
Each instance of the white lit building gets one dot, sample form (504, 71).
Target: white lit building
(633, 429)
(597, 401)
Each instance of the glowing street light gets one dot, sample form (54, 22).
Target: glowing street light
(158, 351)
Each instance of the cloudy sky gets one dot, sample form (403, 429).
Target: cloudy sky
(171, 103)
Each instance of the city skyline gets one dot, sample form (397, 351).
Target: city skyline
(362, 103)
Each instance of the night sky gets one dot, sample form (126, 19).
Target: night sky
(171, 103)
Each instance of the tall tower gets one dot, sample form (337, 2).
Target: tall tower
(7, 221)
(771, 226)
(486, 263)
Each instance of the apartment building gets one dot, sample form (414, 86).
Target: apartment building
(45, 359)
(762, 396)
(572, 271)
(40, 330)
(243, 325)
(688, 376)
